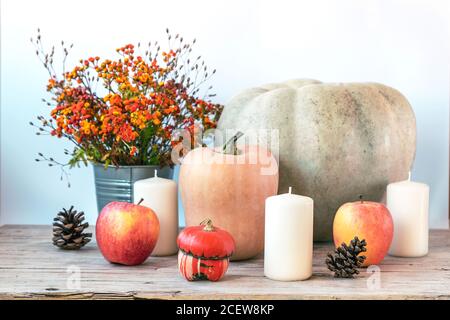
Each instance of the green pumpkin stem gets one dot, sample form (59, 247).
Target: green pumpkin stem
(230, 147)
(208, 225)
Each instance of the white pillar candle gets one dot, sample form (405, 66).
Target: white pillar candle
(288, 237)
(160, 195)
(408, 203)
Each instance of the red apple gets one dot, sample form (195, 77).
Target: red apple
(367, 220)
(126, 233)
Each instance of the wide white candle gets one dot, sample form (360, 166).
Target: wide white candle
(288, 237)
(408, 203)
(160, 195)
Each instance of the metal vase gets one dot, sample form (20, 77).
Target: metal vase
(116, 183)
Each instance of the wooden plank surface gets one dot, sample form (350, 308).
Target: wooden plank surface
(32, 268)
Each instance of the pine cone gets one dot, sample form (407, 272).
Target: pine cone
(345, 261)
(68, 229)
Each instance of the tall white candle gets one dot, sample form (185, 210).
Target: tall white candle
(408, 203)
(288, 237)
(160, 195)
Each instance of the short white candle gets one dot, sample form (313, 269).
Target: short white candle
(160, 195)
(288, 237)
(408, 203)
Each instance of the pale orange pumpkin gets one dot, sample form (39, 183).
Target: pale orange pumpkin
(231, 190)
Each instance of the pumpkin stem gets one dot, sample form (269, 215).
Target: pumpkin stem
(208, 225)
(230, 146)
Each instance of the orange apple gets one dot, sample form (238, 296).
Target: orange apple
(126, 233)
(367, 220)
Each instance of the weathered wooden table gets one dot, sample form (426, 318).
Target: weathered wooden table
(32, 268)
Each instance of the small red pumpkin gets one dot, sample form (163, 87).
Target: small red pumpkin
(205, 252)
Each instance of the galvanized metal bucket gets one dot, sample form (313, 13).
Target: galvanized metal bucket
(116, 183)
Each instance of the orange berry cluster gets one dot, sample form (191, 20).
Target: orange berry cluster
(131, 118)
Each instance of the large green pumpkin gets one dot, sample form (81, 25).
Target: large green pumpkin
(336, 140)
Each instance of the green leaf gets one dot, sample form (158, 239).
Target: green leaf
(105, 157)
(145, 137)
(107, 163)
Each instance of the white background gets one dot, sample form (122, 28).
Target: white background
(404, 44)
